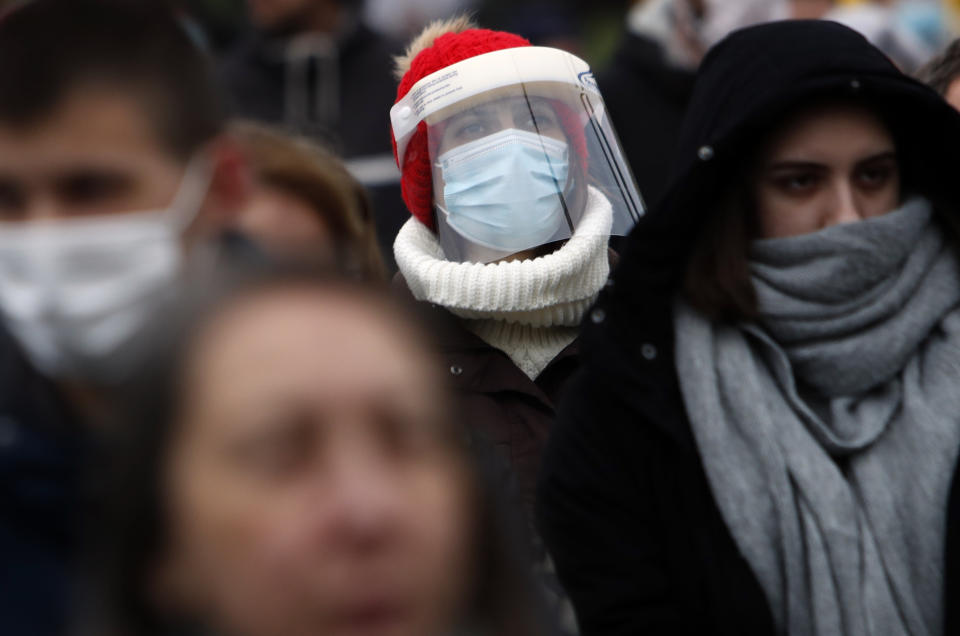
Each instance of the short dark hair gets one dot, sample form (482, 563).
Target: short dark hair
(940, 71)
(49, 48)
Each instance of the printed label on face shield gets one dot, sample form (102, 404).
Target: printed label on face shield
(436, 89)
(534, 67)
(587, 79)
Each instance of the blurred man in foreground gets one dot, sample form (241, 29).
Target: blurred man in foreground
(110, 173)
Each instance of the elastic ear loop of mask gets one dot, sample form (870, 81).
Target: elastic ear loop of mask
(193, 188)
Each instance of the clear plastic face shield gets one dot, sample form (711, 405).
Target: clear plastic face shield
(522, 155)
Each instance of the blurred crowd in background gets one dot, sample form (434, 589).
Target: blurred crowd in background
(358, 317)
(293, 63)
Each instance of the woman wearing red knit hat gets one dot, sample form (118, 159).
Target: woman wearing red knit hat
(515, 181)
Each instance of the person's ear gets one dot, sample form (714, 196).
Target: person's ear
(231, 186)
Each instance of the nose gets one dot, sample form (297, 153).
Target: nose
(505, 118)
(43, 207)
(366, 500)
(845, 207)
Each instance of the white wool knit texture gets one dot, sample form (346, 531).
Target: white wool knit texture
(530, 309)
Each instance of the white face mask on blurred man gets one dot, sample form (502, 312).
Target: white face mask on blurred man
(72, 291)
(97, 209)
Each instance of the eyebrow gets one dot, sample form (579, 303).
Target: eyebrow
(792, 164)
(479, 111)
(91, 172)
(880, 156)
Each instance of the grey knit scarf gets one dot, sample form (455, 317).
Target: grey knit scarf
(829, 429)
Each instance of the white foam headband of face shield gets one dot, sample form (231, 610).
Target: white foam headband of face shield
(477, 75)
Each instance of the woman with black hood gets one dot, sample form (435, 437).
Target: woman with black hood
(764, 434)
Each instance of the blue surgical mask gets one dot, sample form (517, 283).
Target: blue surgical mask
(505, 191)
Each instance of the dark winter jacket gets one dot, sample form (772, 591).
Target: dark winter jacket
(494, 397)
(41, 452)
(646, 98)
(624, 503)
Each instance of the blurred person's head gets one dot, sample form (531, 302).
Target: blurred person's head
(942, 74)
(688, 28)
(909, 32)
(554, 23)
(289, 17)
(111, 165)
(810, 9)
(403, 20)
(714, 19)
(304, 202)
(287, 465)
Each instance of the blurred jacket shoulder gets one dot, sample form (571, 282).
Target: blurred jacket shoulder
(42, 449)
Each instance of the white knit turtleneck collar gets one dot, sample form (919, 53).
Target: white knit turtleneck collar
(528, 309)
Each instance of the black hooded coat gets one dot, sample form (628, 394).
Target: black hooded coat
(624, 504)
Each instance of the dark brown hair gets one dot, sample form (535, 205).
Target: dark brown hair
(304, 169)
(717, 279)
(50, 48)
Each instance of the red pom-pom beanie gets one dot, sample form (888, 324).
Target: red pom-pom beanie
(441, 44)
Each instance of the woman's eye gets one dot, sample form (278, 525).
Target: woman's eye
(275, 459)
(280, 451)
(527, 123)
(875, 177)
(540, 118)
(406, 435)
(798, 183)
(469, 131)
(13, 200)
